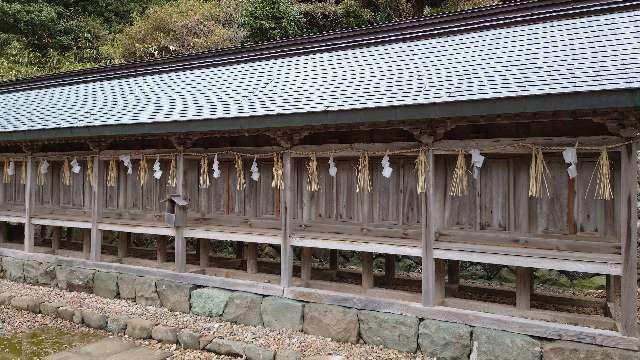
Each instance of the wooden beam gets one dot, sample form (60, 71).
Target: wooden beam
(55, 239)
(524, 284)
(629, 242)
(429, 296)
(307, 263)
(389, 269)
(367, 270)
(286, 196)
(252, 258)
(180, 242)
(161, 249)
(96, 209)
(204, 253)
(123, 245)
(28, 189)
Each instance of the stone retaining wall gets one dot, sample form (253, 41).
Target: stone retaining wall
(437, 339)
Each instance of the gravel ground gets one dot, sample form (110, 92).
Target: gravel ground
(307, 345)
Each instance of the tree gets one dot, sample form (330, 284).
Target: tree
(179, 27)
(327, 16)
(456, 5)
(267, 20)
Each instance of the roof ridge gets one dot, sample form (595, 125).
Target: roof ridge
(477, 19)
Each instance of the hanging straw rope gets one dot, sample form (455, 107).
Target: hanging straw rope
(421, 172)
(459, 178)
(23, 173)
(602, 170)
(66, 172)
(538, 174)
(278, 173)
(362, 172)
(172, 179)
(41, 180)
(90, 178)
(143, 171)
(241, 183)
(112, 173)
(313, 181)
(204, 172)
(6, 178)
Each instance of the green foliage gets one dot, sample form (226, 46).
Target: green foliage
(327, 16)
(456, 5)
(179, 27)
(389, 10)
(267, 20)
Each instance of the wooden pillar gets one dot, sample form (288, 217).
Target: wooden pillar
(366, 259)
(389, 268)
(429, 296)
(628, 228)
(86, 243)
(252, 258)
(161, 249)
(180, 242)
(123, 245)
(286, 200)
(307, 262)
(55, 239)
(28, 188)
(524, 284)
(204, 253)
(3, 232)
(96, 209)
(440, 272)
(453, 276)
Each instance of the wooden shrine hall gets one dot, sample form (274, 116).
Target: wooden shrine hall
(505, 135)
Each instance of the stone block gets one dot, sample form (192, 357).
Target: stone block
(503, 345)
(281, 313)
(165, 334)
(13, 269)
(566, 350)
(444, 340)
(175, 296)
(70, 314)
(335, 322)
(105, 284)
(51, 308)
(30, 270)
(127, 286)
(26, 303)
(389, 330)
(37, 273)
(5, 298)
(75, 279)
(189, 340)
(252, 352)
(117, 324)
(244, 308)
(139, 328)
(146, 293)
(226, 347)
(209, 301)
(94, 319)
(287, 355)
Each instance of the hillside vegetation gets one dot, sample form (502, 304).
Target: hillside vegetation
(44, 36)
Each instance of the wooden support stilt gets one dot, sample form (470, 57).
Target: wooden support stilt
(629, 240)
(252, 258)
(307, 260)
(123, 245)
(161, 249)
(28, 189)
(95, 235)
(440, 272)
(180, 241)
(55, 239)
(524, 284)
(3, 232)
(86, 243)
(389, 269)
(429, 295)
(367, 270)
(453, 276)
(286, 199)
(204, 253)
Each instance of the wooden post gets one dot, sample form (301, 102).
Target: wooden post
(440, 273)
(55, 239)
(572, 225)
(28, 188)
(204, 253)
(307, 259)
(453, 276)
(96, 209)
(524, 284)
(429, 296)
(86, 243)
(123, 245)
(161, 249)
(286, 199)
(389, 268)
(180, 242)
(366, 259)
(3, 232)
(628, 228)
(252, 258)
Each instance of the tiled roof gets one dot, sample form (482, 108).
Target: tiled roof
(592, 53)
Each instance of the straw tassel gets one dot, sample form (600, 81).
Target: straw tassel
(241, 183)
(41, 180)
(602, 171)
(362, 172)
(6, 178)
(143, 171)
(204, 172)
(112, 173)
(23, 173)
(171, 179)
(90, 178)
(538, 174)
(278, 173)
(459, 178)
(66, 172)
(313, 182)
(421, 172)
